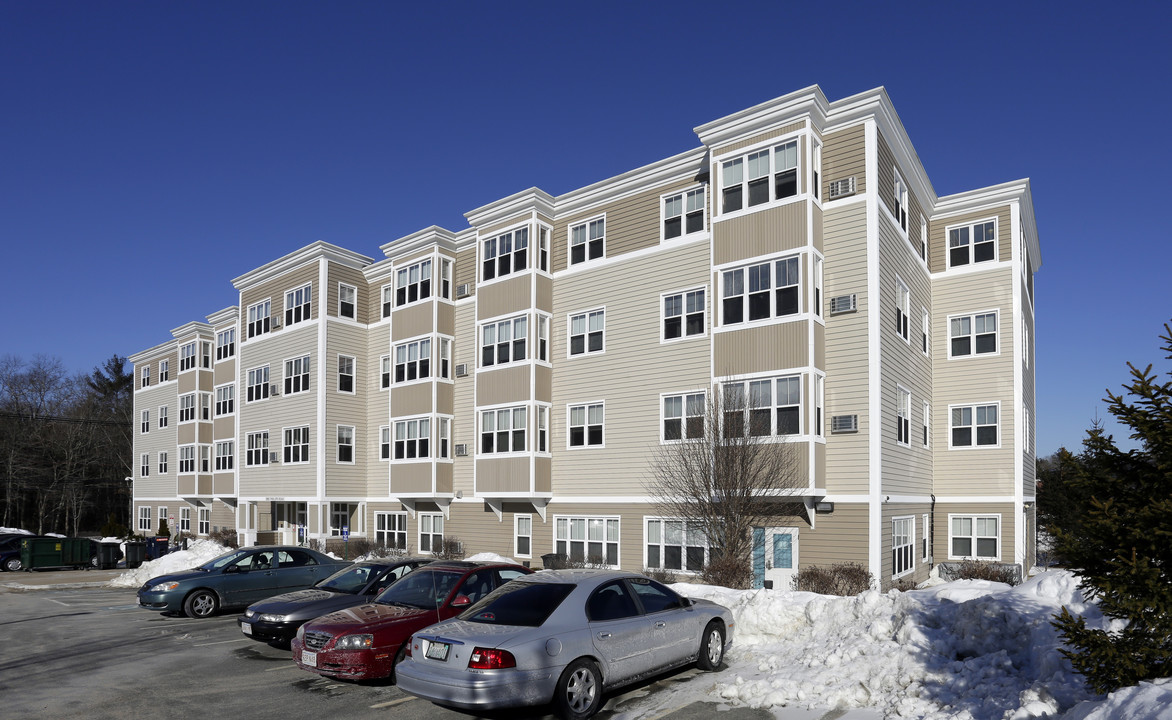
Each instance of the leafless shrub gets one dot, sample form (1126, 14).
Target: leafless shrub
(667, 577)
(225, 536)
(452, 548)
(993, 572)
(844, 579)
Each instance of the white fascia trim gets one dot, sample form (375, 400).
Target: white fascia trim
(193, 330)
(518, 205)
(973, 499)
(808, 102)
(1019, 429)
(1005, 193)
(908, 499)
(874, 362)
(624, 257)
(154, 353)
(227, 315)
(421, 239)
(687, 165)
(322, 274)
(313, 251)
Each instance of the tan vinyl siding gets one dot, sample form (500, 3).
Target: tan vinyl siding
(186, 434)
(337, 273)
(759, 138)
(411, 399)
(837, 537)
(377, 413)
(411, 478)
(372, 310)
(465, 270)
(506, 385)
(276, 288)
(938, 235)
(844, 153)
(346, 409)
(758, 233)
(502, 475)
(443, 478)
(224, 484)
(224, 371)
(189, 381)
(514, 294)
(224, 428)
(413, 320)
(941, 548)
(463, 398)
(631, 533)
(761, 349)
(817, 239)
(922, 569)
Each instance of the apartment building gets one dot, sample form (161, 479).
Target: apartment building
(510, 384)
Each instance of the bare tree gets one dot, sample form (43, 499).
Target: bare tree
(726, 469)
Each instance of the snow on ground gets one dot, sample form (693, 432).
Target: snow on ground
(197, 553)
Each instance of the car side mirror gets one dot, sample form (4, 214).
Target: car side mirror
(686, 602)
(461, 601)
(232, 569)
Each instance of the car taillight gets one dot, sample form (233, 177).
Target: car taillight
(407, 649)
(485, 659)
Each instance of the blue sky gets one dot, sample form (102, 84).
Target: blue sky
(140, 139)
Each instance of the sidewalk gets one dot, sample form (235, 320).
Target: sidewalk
(22, 581)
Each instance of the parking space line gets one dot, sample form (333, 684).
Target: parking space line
(284, 667)
(392, 703)
(221, 642)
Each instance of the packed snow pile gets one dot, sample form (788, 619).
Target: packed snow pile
(197, 553)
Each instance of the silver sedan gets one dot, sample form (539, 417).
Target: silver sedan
(563, 637)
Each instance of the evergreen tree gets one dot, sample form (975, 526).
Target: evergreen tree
(1123, 549)
(1064, 496)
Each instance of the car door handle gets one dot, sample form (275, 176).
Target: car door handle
(660, 624)
(603, 636)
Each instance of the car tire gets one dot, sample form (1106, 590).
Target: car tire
(402, 653)
(13, 564)
(579, 691)
(201, 604)
(711, 647)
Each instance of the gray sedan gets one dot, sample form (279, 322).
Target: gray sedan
(564, 637)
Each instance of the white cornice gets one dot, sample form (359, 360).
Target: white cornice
(783, 110)
(151, 353)
(192, 328)
(226, 315)
(692, 162)
(988, 197)
(435, 235)
(523, 203)
(314, 251)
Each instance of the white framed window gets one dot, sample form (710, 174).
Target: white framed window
(388, 300)
(761, 291)
(146, 422)
(764, 407)
(445, 290)
(903, 546)
(413, 283)
(445, 358)
(903, 417)
(225, 455)
(1025, 343)
(974, 426)
(297, 375)
(683, 213)
(586, 424)
(145, 467)
(903, 307)
(346, 374)
(384, 442)
(818, 263)
(340, 515)
(443, 437)
(683, 314)
(390, 530)
(205, 406)
(1027, 429)
(187, 408)
(523, 535)
(925, 537)
(974, 536)
(759, 177)
(225, 344)
(186, 356)
(431, 532)
(817, 170)
(542, 429)
(296, 444)
(257, 449)
(144, 517)
(504, 341)
(162, 515)
(162, 463)
(186, 459)
(505, 254)
(163, 420)
(972, 243)
(345, 437)
(185, 519)
(297, 304)
(164, 371)
(588, 241)
(146, 376)
(543, 248)
(590, 539)
(205, 458)
(683, 417)
(674, 544)
(258, 384)
(923, 238)
(504, 430)
(259, 317)
(205, 521)
(901, 201)
(225, 399)
(542, 347)
(588, 332)
(926, 425)
(413, 361)
(974, 334)
(413, 439)
(925, 325)
(384, 372)
(347, 301)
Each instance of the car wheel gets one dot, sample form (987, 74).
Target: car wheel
(398, 659)
(13, 564)
(579, 691)
(200, 604)
(711, 647)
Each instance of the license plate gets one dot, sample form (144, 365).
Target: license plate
(309, 658)
(246, 628)
(438, 651)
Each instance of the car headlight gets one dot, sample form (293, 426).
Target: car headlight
(354, 642)
(165, 586)
(269, 617)
(301, 633)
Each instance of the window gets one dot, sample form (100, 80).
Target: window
(972, 335)
(297, 305)
(903, 304)
(297, 375)
(384, 442)
(675, 545)
(505, 254)
(185, 519)
(258, 318)
(345, 374)
(925, 323)
(162, 416)
(773, 291)
(345, 443)
(903, 417)
(504, 341)
(226, 344)
(146, 376)
(445, 358)
(503, 430)
(390, 530)
(444, 437)
(901, 202)
(412, 438)
(523, 535)
(903, 546)
(385, 372)
(413, 283)
(205, 459)
(543, 337)
(205, 355)
(586, 422)
(926, 426)
(543, 249)
(146, 421)
(771, 406)
(817, 170)
(145, 469)
(144, 517)
(683, 214)
(186, 356)
(761, 176)
(186, 459)
(587, 332)
(205, 521)
(979, 418)
(388, 296)
(972, 243)
(205, 406)
(258, 383)
(225, 400)
(164, 370)
(926, 528)
(257, 449)
(683, 314)
(431, 532)
(818, 286)
(445, 279)
(225, 452)
(588, 539)
(923, 238)
(1025, 343)
(347, 301)
(588, 241)
(187, 408)
(413, 361)
(974, 536)
(162, 463)
(542, 429)
(297, 444)
(1025, 424)
(683, 417)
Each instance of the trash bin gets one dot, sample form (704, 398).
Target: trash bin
(108, 553)
(157, 547)
(554, 561)
(135, 552)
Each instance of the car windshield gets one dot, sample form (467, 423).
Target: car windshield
(525, 604)
(421, 589)
(351, 580)
(223, 560)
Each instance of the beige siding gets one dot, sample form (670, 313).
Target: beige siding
(377, 411)
(346, 479)
(941, 540)
(413, 321)
(411, 478)
(276, 288)
(844, 153)
(761, 233)
(762, 137)
(497, 475)
(371, 311)
(465, 270)
(463, 398)
(761, 349)
(506, 385)
(837, 537)
(342, 274)
(514, 294)
(938, 234)
(412, 399)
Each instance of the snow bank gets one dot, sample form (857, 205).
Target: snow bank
(197, 553)
(491, 557)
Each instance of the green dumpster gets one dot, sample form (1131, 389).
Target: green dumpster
(54, 552)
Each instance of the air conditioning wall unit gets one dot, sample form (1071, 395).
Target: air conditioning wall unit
(275, 390)
(463, 290)
(461, 449)
(844, 304)
(274, 457)
(844, 424)
(461, 370)
(842, 187)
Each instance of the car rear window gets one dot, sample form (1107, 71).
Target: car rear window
(522, 604)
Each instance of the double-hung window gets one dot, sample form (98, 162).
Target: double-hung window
(225, 454)
(297, 304)
(413, 439)
(505, 254)
(390, 530)
(903, 304)
(205, 458)
(146, 421)
(586, 425)
(974, 536)
(926, 425)
(258, 383)
(903, 546)
(759, 177)
(144, 517)
(974, 426)
(186, 459)
(186, 356)
(413, 283)
(903, 417)
(683, 417)
(345, 444)
(145, 469)
(523, 535)
(767, 407)
(675, 545)
(345, 374)
(504, 341)
(225, 400)
(973, 243)
(146, 376)
(384, 442)
(504, 430)
(587, 332)
(388, 300)
(296, 445)
(225, 344)
(762, 291)
(413, 361)
(431, 532)
(297, 375)
(347, 301)
(588, 539)
(972, 334)
(901, 202)
(185, 519)
(925, 323)
(164, 370)
(683, 213)
(385, 371)
(588, 241)
(257, 449)
(187, 408)
(205, 521)
(683, 314)
(205, 406)
(258, 318)
(162, 463)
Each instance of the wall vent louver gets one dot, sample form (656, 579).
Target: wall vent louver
(463, 290)
(461, 449)
(461, 370)
(844, 424)
(842, 187)
(844, 304)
